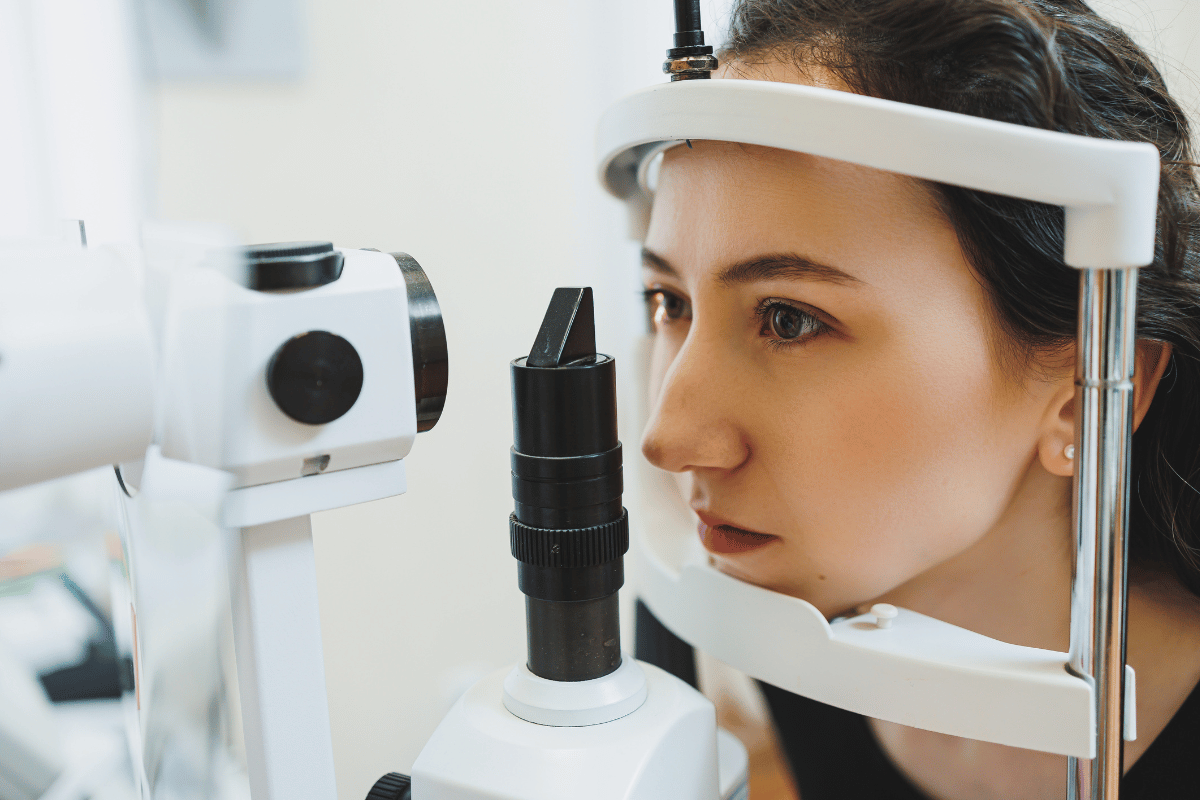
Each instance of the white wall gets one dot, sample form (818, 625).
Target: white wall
(460, 132)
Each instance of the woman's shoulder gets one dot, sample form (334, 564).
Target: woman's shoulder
(1168, 767)
(1164, 650)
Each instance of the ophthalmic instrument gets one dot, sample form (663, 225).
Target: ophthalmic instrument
(892, 664)
(237, 390)
(256, 386)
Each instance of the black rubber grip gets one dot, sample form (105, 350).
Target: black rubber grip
(393, 786)
(573, 547)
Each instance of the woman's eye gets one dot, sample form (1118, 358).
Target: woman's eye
(786, 323)
(666, 306)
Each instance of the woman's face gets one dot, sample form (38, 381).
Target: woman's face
(825, 373)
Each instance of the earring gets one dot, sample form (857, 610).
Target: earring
(1069, 452)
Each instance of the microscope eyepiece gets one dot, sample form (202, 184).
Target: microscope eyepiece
(569, 530)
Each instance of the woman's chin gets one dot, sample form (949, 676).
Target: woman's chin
(818, 591)
(744, 569)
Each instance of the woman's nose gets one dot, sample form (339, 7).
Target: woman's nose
(692, 423)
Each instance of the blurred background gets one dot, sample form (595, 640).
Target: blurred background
(462, 134)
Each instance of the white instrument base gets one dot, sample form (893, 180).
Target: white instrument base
(667, 748)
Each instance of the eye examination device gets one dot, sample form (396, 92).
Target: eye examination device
(891, 664)
(911, 669)
(250, 387)
(280, 380)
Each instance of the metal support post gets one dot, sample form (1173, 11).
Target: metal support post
(281, 666)
(1103, 431)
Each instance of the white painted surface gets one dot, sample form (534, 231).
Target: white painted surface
(1130, 715)
(72, 131)
(270, 502)
(251, 437)
(242, 39)
(733, 766)
(918, 672)
(281, 671)
(1109, 189)
(575, 703)
(665, 749)
(77, 362)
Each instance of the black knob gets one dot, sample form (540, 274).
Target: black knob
(292, 265)
(568, 532)
(392, 786)
(315, 377)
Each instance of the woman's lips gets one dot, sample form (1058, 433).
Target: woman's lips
(718, 536)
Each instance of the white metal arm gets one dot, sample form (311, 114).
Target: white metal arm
(1109, 189)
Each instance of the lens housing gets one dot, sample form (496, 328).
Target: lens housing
(431, 371)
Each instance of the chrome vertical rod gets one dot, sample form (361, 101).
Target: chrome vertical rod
(1103, 431)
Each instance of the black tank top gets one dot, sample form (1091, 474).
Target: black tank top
(834, 756)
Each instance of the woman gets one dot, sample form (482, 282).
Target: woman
(865, 381)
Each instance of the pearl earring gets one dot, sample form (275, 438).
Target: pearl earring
(1069, 452)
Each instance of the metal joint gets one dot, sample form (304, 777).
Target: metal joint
(689, 68)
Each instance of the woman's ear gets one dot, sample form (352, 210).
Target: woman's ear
(1058, 431)
(1149, 366)
(1056, 445)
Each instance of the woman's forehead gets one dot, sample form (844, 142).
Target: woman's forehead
(774, 170)
(721, 194)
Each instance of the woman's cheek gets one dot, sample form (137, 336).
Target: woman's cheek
(882, 490)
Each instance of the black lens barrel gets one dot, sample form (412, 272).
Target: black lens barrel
(569, 531)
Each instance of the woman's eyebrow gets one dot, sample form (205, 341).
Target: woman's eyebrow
(759, 268)
(785, 266)
(652, 260)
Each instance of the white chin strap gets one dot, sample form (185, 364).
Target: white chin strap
(911, 669)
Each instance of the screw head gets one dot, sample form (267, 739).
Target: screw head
(884, 613)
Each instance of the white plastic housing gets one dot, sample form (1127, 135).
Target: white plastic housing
(280, 662)
(575, 703)
(77, 362)
(1109, 188)
(667, 748)
(245, 432)
(918, 671)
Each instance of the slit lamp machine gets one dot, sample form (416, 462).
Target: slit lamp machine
(340, 360)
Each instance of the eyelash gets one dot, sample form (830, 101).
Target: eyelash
(768, 306)
(655, 297)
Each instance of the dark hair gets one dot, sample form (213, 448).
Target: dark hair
(1057, 65)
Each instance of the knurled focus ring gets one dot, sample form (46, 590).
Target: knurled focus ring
(573, 547)
(392, 786)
